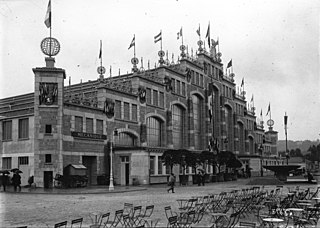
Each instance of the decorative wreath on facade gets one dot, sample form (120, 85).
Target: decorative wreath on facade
(48, 93)
(142, 94)
(108, 108)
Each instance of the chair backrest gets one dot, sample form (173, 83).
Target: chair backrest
(77, 221)
(117, 217)
(172, 221)
(247, 224)
(136, 211)
(168, 212)
(127, 209)
(149, 210)
(104, 218)
(61, 224)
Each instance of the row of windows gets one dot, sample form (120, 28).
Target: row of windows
(154, 97)
(227, 91)
(23, 129)
(196, 78)
(155, 128)
(78, 126)
(239, 109)
(178, 87)
(161, 169)
(127, 111)
(7, 162)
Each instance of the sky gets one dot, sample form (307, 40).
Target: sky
(273, 44)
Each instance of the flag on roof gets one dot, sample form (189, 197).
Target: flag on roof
(47, 20)
(100, 53)
(252, 98)
(133, 42)
(208, 34)
(198, 30)
(242, 83)
(229, 64)
(179, 34)
(268, 109)
(158, 37)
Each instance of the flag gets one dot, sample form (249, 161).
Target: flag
(208, 34)
(261, 113)
(210, 104)
(69, 81)
(179, 34)
(229, 63)
(285, 119)
(100, 53)
(198, 30)
(251, 98)
(133, 42)
(47, 20)
(242, 83)
(268, 109)
(158, 37)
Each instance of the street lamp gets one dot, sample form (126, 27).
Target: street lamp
(114, 133)
(261, 159)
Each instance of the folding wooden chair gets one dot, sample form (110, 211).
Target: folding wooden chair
(61, 224)
(104, 219)
(77, 222)
(116, 220)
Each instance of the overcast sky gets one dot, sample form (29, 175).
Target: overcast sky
(274, 46)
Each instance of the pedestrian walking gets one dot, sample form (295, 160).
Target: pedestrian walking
(171, 183)
(203, 177)
(16, 181)
(199, 178)
(4, 181)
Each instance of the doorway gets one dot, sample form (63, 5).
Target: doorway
(90, 162)
(125, 170)
(47, 179)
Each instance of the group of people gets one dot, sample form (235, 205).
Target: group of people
(15, 180)
(172, 180)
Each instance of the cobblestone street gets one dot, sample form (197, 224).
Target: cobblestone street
(44, 210)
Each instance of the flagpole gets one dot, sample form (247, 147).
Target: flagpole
(161, 40)
(134, 46)
(50, 26)
(101, 53)
(181, 36)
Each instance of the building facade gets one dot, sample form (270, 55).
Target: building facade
(142, 114)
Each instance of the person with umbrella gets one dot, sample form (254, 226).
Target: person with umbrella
(16, 179)
(4, 178)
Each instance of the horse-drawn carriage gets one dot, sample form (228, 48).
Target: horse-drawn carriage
(73, 176)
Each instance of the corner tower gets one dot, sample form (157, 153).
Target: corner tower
(48, 117)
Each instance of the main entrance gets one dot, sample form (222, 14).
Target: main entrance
(125, 170)
(90, 162)
(47, 179)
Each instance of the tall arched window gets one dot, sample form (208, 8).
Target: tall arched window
(197, 121)
(153, 132)
(177, 126)
(125, 139)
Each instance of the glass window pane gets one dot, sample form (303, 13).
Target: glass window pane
(89, 125)
(78, 126)
(99, 127)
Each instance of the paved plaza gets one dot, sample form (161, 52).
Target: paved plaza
(43, 209)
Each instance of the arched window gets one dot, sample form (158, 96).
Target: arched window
(197, 107)
(153, 132)
(177, 126)
(125, 139)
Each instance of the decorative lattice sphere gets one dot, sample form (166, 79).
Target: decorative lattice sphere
(50, 46)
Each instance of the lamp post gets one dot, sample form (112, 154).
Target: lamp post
(114, 133)
(261, 159)
(285, 128)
